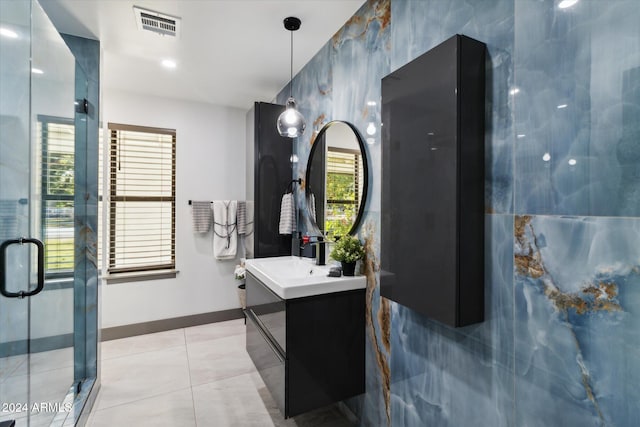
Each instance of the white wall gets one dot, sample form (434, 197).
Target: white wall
(210, 165)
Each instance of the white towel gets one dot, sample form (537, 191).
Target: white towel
(287, 215)
(248, 236)
(225, 237)
(201, 214)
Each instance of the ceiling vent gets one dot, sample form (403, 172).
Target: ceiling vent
(159, 23)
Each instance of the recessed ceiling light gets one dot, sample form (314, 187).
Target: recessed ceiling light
(546, 157)
(567, 3)
(572, 162)
(561, 106)
(37, 71)
(521, 135)
(514, 91)
(8, 33)
(169, 63)
(372, 103)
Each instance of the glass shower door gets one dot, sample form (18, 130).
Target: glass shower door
(36, 216)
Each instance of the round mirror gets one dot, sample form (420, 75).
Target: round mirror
(336, 182)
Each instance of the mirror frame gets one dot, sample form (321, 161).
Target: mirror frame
(365, 165)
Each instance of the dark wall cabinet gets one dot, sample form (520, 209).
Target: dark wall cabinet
(269, 173)
(432, 254)
(309, 351)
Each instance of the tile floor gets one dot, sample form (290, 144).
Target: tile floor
(200, 376)
(45, 377)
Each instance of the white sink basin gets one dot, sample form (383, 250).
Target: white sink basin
(294, 277)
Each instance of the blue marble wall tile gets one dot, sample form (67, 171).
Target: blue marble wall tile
(417, 26)
(376, 407)
(456, 377)
(577, 108)
(558, 346)
(312, 88)
(360, 52)
(325, 91)
(361, 48)
(577, 305)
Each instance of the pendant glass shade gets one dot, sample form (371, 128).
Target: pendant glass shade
(291, 123)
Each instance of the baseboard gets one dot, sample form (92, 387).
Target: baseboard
(37, 345)
(55, 342)
(135, 329)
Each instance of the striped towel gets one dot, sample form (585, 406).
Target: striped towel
(241, 221)
(311, 203)
(248, 240)
(287, 215)
(201, 213)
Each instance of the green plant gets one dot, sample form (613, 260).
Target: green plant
(240, 271)
(347, 249)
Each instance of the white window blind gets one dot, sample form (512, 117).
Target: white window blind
(141, 198)
(57, 140)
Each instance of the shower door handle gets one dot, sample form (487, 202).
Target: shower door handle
(3, 263)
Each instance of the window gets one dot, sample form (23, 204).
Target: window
(344, 185)
(142, 177)
(57, 139)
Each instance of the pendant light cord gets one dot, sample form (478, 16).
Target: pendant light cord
(291, 73)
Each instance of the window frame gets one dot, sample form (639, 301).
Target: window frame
(45, 196)
(112, 269)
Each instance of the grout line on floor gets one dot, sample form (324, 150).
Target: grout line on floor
(138, 400)
(272, 418)
(193, 400)
(141, 352)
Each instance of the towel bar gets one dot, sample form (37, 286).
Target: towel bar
(191, 202)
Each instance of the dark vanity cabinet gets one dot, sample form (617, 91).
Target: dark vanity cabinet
(269, 175)
(309, 351)
(432, 255)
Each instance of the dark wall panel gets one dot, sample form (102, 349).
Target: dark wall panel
(432, 194)
(272, 176)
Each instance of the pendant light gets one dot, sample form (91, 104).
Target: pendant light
(291, 123)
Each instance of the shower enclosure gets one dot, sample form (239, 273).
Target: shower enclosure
(48, 276)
